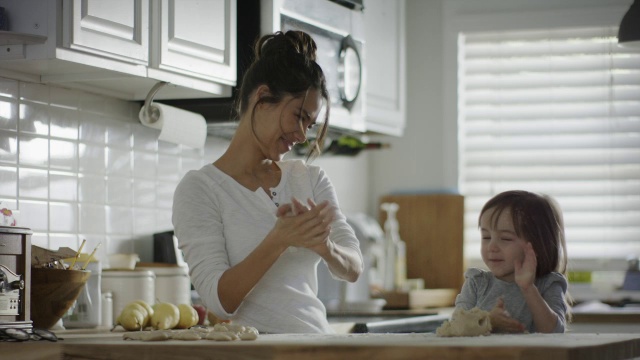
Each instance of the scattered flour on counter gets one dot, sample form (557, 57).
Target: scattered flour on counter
(219, 332)
(474, 322)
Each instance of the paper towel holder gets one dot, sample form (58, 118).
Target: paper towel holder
(178, 126)
(152, 114)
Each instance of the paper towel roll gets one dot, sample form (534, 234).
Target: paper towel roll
(176, 125)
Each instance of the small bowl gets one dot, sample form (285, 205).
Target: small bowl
(123, 261)
(53, 291)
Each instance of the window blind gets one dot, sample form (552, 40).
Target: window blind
(558, 112)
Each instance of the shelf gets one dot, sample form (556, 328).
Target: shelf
(15, 38)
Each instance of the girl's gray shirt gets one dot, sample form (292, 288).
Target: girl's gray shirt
(482, 289)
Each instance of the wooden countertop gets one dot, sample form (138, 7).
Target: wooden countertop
(614, 315)
(607, 317)
(352, 346)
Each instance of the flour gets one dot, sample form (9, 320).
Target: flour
(474, 322)
(219, 332)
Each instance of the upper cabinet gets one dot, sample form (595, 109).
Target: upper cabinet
(386, 66)
(194, 38)
(116, 29)
(121, 48)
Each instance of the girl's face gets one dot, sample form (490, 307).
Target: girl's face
(285, 124)
(501, 247)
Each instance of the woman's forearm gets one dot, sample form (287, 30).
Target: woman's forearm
(343, 262)
(236, 282)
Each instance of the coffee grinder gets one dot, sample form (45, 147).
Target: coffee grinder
(15, 278)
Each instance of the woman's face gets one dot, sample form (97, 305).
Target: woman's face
(281, 126)
(500, 246)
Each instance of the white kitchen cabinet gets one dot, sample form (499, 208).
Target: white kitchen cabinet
(115, 29)
(386, 66)
(194, 38)
(122, 48)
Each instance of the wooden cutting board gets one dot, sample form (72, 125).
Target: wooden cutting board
(361, 346)
(432, 227)
(420, 299)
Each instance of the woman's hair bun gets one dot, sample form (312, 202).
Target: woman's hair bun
(284, 62)
(279, 44)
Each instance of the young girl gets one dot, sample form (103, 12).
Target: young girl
(524, 248)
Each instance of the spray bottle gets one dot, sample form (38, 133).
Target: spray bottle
(396, 259)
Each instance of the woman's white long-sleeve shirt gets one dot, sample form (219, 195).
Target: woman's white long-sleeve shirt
(218, 222)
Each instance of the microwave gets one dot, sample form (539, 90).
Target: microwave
(337, 27)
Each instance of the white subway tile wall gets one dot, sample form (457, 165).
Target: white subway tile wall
(75, 166)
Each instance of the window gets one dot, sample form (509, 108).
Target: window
(557, 112)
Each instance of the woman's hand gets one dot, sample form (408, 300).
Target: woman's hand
(525, 270)
(501, 320)
(302, 226)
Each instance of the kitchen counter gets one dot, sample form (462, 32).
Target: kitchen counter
(614, 320)
(615, 317)
(107, 345)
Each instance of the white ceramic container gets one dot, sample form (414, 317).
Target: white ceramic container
(173, 284)
(127, 286)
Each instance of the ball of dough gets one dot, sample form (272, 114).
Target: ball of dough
(474, 322)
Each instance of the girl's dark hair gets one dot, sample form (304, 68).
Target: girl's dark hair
(286, 64)
(537, 219)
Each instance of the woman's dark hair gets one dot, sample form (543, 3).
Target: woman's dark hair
(537, 219)
(286, 64)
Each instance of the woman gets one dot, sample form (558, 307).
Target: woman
(253, 227)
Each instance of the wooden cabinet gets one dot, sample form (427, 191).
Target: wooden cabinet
(386, 66)
(121, 48)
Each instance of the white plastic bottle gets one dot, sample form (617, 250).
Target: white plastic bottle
(396, 261)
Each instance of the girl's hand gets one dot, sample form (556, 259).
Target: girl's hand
(525, 270)
(501, 320)
(302, 226)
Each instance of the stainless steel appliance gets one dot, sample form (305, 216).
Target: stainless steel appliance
(15, 277)
(337, 26)
(339, 35)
